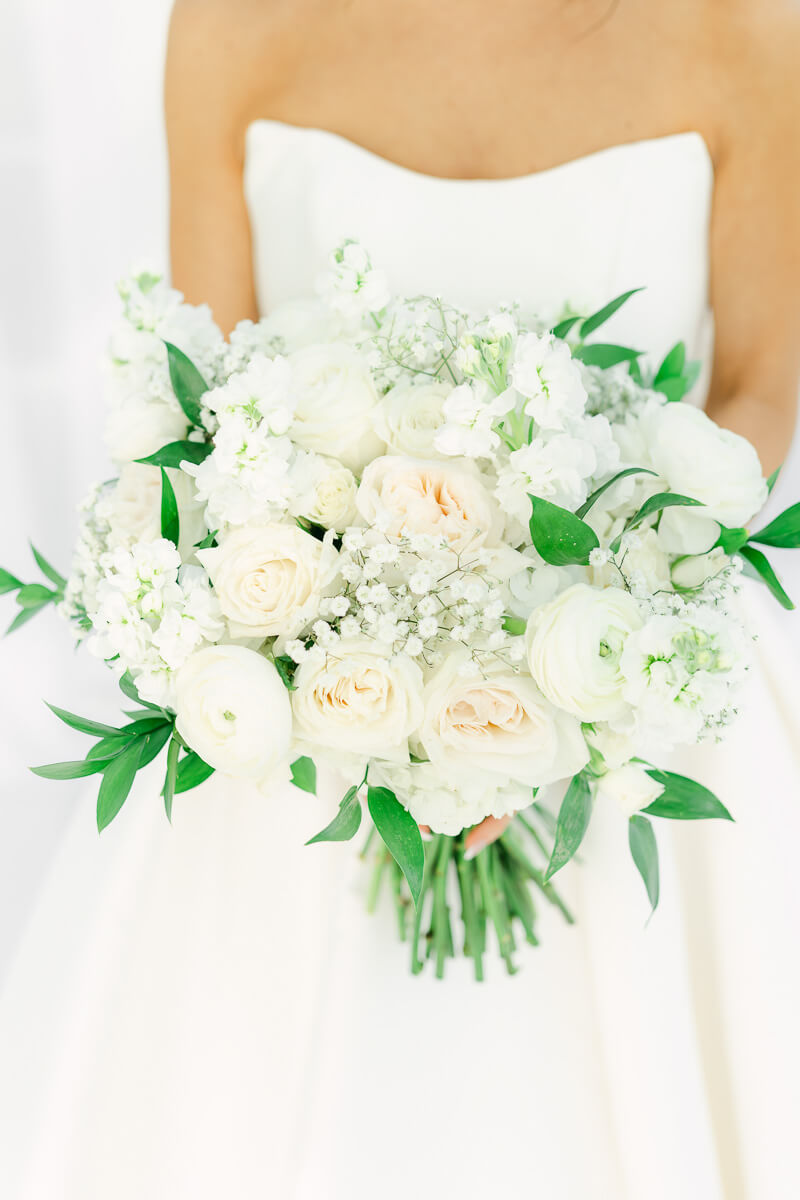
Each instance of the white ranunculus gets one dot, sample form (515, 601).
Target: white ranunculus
(574, 646)
(418, 496)
(336, 402)
(410, 415)
(629, 787)
(694, 571)
(134, 507)
(358, 698)
(491, 718)
(699, 459)
(269, 578)
(139, 426)
(324, 491)
(234, 711)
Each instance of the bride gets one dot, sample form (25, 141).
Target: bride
(205, 1011)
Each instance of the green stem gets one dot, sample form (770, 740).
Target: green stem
(495, 906)
(400, 902)
(431, 851)
(440, 924)
(473, 940)
(535, 875)
(534, 833)
(375, 882)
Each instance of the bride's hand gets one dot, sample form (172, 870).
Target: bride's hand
(484, 834)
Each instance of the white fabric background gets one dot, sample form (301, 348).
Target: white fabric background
(83, 193)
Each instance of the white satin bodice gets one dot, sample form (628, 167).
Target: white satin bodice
(633, 215)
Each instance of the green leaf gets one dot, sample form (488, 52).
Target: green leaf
(20, 619)
(603, 355)
(110, 747)
(82, 724)
(117, 782)
(69, 770)
(560, 537)
(168, 791)
(602, 315)
(187, 382)
(154, 743)
(673, 389)
(760, 564)
(175, 453)
(286, 667)
(572, 823)
(773, 479)
(732, 540)
(563, 327)
(304, 774)
(128, 688)
(208, 541)
(684, 799)
(8, 582)
(653, 505)
(588, 504)
(516, 626)
(34, 595)
(145, 725)
(345, 824)
(672, 364)
(400, 834)
(192, 771)
(170, 523)
(49, 571)
(783, 531)
(642, 841)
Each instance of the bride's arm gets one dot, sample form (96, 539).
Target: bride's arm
(207, 98)
(756, 247)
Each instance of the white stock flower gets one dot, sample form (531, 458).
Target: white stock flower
(246, 477)
(360, 698)
(452, 799)
(488, 717)
(629, 787)
(574, 647)
(262, 392)
(410, 416)
(269, 578)
(470, 412)
(335, 404)
(545, 372)
(406, 496)
(555, 469)
(137, 426)
(323, 491)
(234, 711)
(352, 286)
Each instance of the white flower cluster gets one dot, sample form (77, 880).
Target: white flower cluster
(354, 550)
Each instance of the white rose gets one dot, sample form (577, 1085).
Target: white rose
(135, 507)
(269, 578)
(574, 646)
(138, 427)
(358, 697)
(324, 492)
(336, 402)
(234, 711)
(629, 787)
(698, 459)
(490, 718)
(418, 496)
(410, 415)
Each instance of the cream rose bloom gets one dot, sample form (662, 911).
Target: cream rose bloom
(699, 459)
(269, 578)
(234, 711)
(138, 426)
(574, 645)
(489, 718)
(403, 495)
(325, 492)
(135, 507)
(410, 415)
(358, 698)
(335, 404)
(629, 787)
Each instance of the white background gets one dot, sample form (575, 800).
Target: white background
(83, 193)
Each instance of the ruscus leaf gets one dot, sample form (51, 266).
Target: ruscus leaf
(572, 823)
(345, 824)
(588, 504)
(784, 531)
(47, 570)
(684, 799)
(559, 535)
(175, 453)
(117, 782)
(170, 522)
(8, 582)
(602, 315)
(400, 834)
(69, 770)
(192, 771)
(600, 354)
(82, 724)
(761, 565)
(644, 851)
(304, 774)
(187, 383)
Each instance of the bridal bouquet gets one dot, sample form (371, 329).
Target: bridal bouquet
(482, 565)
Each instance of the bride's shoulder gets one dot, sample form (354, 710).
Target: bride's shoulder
(226, 53)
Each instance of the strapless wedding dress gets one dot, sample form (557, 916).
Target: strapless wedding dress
(206, 1010)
